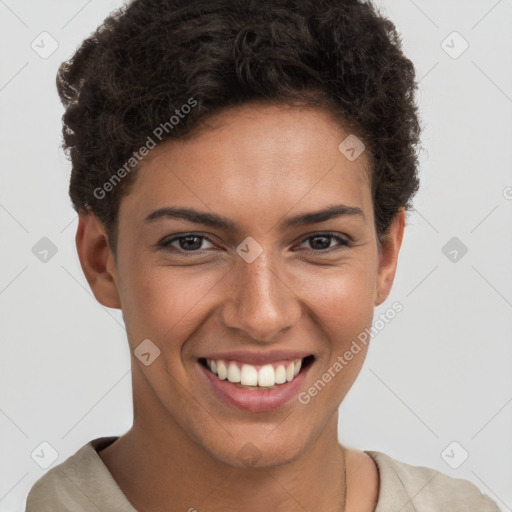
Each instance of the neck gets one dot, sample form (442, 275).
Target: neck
(157, 461)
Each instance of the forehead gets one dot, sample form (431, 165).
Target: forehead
(253, 159)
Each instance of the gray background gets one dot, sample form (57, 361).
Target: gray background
(438, 373)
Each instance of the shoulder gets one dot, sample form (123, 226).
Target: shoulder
(56, 486)
(77, 484)
(419, 488)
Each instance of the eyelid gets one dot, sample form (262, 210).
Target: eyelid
(166, 241)
(343, 241)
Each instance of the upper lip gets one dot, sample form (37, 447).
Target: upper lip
(258, 358)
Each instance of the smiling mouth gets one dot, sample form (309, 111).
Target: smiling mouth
(257, 377)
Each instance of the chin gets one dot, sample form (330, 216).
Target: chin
(258, 451)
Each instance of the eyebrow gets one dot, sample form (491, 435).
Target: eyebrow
(219, 221)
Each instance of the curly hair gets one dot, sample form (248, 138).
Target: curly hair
(150, 58)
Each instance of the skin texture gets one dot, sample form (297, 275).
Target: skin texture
(256, 165)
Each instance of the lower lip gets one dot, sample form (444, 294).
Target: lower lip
(255, 400)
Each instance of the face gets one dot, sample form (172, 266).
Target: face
(249, 282)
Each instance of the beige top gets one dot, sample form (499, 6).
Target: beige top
(82, 483)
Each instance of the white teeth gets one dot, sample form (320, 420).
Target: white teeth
(221, 370)
(234, 373)
(248, 375)
(266, 376)
(280, 376)
(290, 370)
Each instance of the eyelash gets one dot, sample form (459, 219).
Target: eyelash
(165, 244)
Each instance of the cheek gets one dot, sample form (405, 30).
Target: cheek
(162, 303)
(342, 298)
(342, 304)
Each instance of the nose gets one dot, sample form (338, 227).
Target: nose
(259, 300)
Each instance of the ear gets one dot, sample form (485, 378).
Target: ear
(388, 259)
(97, 260)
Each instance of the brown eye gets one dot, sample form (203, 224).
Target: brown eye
(322, 242)
(185, 243)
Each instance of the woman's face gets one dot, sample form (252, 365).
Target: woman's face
(259, 290)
